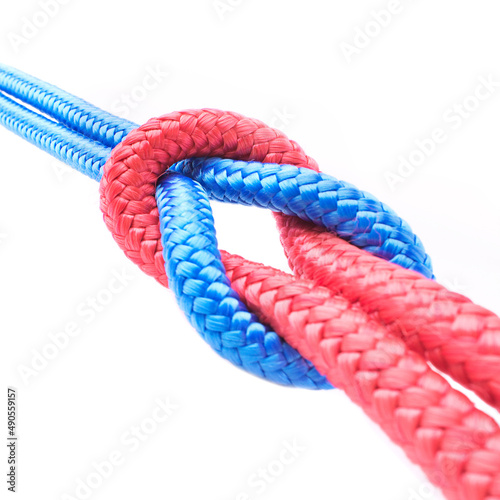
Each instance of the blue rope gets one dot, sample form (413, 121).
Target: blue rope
(354, 215)
(340, 207)
(71, 111)
(198, 279)
(83, 137)
(79, 152)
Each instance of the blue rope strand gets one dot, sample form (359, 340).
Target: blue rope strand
(354, 215)
(83, 136)
(198, 279)
(73, 112)
(79, 152)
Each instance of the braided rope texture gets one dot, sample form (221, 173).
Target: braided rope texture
(341, 319)
(129, 206)
(197, 276)
(82, 136)
(171, 138)
(128, 188)
(73, 112)
(459, 337)
(457, 445)
(354, 215)
(439, 428)
(81, 153)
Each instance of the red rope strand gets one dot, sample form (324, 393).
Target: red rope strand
(365, 323)
(459, 337)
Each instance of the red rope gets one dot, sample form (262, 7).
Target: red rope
(459, 337)
(439, 428)
(347, 330)
(129, 177)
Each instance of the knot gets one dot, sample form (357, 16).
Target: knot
(197, 276)
(356, 216)
(348, 318)
(129, 178)
(437, 426)
(370, 327)
(128, 204)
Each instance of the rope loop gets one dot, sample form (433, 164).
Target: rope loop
(359, 313)
(439, 428)
(128, 202)
(375, 348)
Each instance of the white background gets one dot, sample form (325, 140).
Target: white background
(262, 59)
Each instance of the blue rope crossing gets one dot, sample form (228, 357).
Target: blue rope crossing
(354, 215)
(83, 136)
(198, 279)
